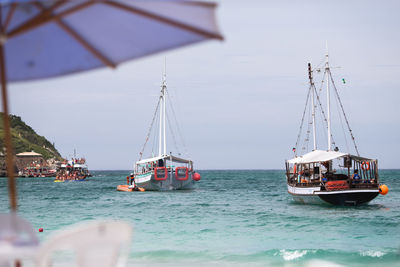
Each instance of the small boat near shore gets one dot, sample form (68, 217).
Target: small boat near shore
(164, 171)
(338, 178)
(37, 170)
(72, 170)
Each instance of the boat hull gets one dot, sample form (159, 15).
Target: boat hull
(314, 195)
(305, 195)
(149, 183)
(344, 198)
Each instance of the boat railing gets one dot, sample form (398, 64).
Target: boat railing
(308, 184)
(365, 185)
(361, 184)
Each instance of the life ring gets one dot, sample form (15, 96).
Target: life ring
(163, 173)
(365, 165)
(181, 178)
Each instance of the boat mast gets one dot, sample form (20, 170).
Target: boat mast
(328, 98)
(313, 106)
(164, 87)
(162, 140)
(161, 120)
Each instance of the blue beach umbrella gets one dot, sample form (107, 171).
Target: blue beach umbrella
(41, 39)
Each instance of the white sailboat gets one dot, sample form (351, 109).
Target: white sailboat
(339, 178)
(164, 171)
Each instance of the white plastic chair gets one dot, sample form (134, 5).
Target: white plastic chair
(18, 239)
(102, 243)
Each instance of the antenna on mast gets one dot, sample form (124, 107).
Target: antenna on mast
(328, 97)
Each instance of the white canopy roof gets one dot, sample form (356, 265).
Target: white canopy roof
(149, 160)
(317, 156)
(175, 159)
(29, 154)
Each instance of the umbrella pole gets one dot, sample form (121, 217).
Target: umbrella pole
(7, 133)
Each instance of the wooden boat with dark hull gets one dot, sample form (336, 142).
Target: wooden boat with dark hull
(313, 178)
(329, 175)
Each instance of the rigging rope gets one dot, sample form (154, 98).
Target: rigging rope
(320, 105)
(307, 137)
(172, 134)
(154, 137)
(341, 124)
(344, 114)
(151, 126)
(177, 124)
(302, 121)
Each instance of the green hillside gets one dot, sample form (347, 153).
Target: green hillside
(26, 139)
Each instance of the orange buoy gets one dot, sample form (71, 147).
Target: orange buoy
(40, 229)
(383, 189)
(196, 176)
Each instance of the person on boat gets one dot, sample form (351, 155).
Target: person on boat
(133, 184)
(356, 177)
(160, 163)
(299, 177)
(324, 178)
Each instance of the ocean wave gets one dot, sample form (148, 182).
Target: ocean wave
(372, 253)
(292, 255)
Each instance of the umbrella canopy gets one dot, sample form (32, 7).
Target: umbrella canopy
(40, 39)
(52, 38)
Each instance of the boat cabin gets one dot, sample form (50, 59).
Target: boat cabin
(167, 163)
(332, 170)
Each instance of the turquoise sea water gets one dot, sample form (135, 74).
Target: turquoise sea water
(232, 218)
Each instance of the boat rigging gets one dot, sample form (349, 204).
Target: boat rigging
(329, 175)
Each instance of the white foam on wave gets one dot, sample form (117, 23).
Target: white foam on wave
(321, 263)
(292, 255)
(372, 253)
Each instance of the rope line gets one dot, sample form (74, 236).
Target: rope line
(341, 123)
(151, 126)
(172, 134)
(302, 122)
(322, 110)
(344, 114)
(177, 124)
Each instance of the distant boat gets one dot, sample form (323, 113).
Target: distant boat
(37, 170)
(72, 170)
(329, 175)
(164, 171)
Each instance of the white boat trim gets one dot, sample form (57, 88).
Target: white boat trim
(304, 191)
(308, 191)
(143, 178)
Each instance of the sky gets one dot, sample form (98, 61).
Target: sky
(239, 102)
